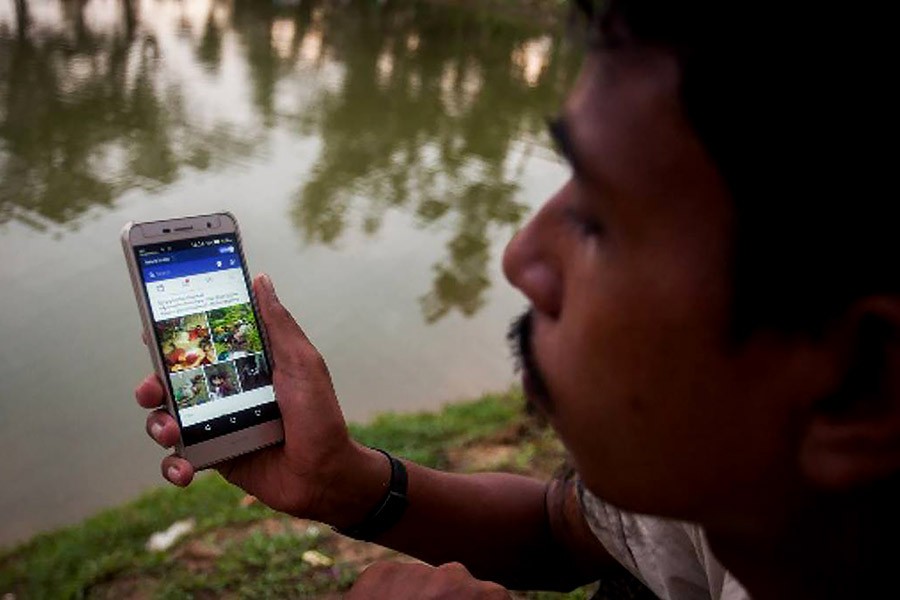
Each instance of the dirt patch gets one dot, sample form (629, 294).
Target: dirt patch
(200, 554)
(134, 587)
(526, 447)
(359, 555)
(482, 457)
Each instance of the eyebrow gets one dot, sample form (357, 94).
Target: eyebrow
(561, 133)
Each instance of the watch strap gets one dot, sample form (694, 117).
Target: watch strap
(389, 510)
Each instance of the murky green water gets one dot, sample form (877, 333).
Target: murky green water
(378, 158)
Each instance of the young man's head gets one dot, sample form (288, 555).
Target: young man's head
(715, 318)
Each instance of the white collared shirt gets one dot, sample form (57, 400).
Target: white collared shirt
(672, 558)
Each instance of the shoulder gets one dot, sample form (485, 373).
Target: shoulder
(672, 558)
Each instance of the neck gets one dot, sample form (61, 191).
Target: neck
(827, 546)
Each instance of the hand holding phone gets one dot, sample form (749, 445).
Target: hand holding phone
(318, 472)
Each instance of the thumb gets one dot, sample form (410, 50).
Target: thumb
(302, 384)
(286, 339)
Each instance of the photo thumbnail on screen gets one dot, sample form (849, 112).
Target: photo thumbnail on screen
(234, 332)
(189, 388)
(223, 380)
(253, 372)
(185, 342)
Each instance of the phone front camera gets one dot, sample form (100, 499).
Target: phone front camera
(208, 225)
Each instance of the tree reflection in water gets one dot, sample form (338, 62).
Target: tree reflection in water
(426, 120)
(430, 111)
(86, 116)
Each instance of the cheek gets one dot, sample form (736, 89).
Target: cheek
(596, 363)
(637, 383)
(601, 377)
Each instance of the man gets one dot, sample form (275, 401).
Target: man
(714, 333)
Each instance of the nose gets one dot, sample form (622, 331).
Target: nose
(530, 262)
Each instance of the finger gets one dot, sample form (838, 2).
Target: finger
(459, 577)
(150, 392)
(380, 568)
(297, 365)
(374, 582)
(145, 337)
(177, 470)
(454, 567)
(226, 469)
(163, 428)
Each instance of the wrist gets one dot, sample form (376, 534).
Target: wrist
(390, 508)
(358, 482)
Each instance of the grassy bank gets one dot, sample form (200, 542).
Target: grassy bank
(239, 548)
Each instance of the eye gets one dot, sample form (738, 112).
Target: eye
(585, 225)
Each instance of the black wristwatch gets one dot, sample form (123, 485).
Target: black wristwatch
(389, 510)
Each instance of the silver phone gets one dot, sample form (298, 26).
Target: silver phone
(203, 329)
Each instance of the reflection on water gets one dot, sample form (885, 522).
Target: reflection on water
(377, 154)
(396, 93)
(414, 127)
(87, 114)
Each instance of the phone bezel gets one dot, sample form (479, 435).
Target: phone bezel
(207, 453)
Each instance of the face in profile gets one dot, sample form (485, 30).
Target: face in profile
(627, 270)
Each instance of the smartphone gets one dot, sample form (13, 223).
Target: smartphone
(203, 329)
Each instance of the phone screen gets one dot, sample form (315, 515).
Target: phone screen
(208, 334)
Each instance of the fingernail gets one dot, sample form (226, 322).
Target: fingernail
(156, 430)
(172, 473)
(267, 283)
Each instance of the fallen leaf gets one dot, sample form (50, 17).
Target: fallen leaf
(163, 540)
(317, 559)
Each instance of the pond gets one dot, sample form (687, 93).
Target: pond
(377, 155)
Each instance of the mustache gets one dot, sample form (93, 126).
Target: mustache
(519, 337)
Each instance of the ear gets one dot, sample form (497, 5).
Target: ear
(853, 437)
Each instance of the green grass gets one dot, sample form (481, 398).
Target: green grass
(105, 555)
(260, 566)
(423, 437)
(66, 563)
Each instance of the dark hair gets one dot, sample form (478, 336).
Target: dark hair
(783, 100)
